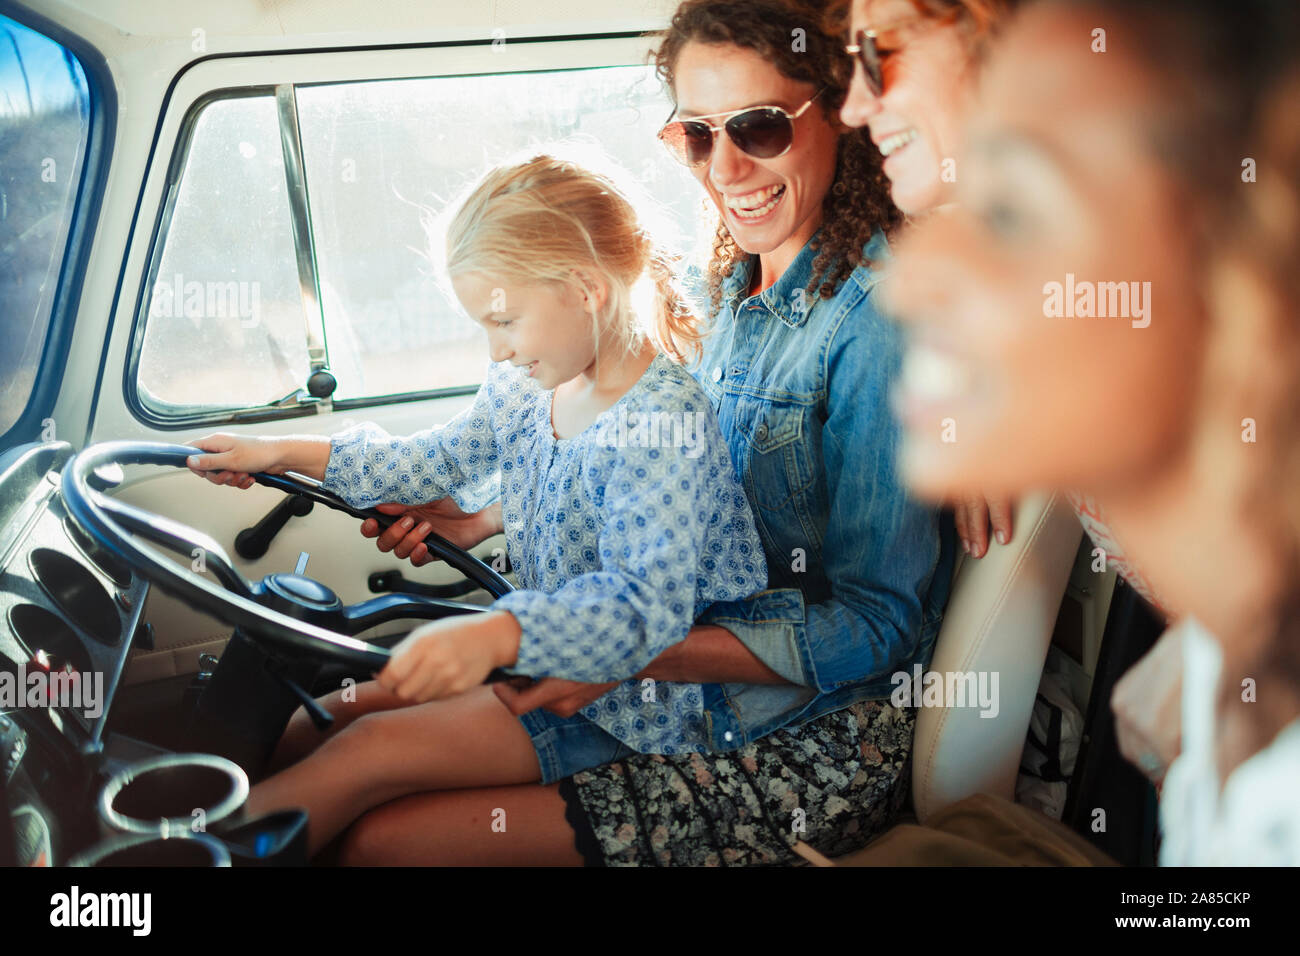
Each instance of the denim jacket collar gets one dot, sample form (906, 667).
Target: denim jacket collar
(788, 298)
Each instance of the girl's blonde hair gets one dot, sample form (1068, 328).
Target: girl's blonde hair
(550, 220)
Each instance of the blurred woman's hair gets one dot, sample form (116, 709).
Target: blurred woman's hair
(1262, 247)
(1218, 65)
(550, 220)
(1223, 122)
(858, 203)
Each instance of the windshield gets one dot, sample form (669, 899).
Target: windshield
(44, 121)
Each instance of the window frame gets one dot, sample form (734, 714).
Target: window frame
(87, 203)
(313, 68)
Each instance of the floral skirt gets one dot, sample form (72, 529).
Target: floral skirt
(834, 783)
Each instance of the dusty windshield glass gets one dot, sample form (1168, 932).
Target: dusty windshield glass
(44, 121)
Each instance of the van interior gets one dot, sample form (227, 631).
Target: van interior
(212, 219)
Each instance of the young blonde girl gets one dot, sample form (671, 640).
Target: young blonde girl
(618, 543)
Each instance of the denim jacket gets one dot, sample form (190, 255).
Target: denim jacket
(858, 572)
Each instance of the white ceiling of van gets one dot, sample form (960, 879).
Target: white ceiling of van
(123, 27)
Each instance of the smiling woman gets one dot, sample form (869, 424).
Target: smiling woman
(913, 81)
(716, 63)
(917, 62)
(798, 365)
(1145, 180)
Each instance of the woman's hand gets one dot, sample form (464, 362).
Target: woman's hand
(236, 458)
(1147, 702)
(448, 657)
(973, 515)
(564, 698)
(405, 537)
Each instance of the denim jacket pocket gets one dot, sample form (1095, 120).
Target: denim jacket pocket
(776, 435)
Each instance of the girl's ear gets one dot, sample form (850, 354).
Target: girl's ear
(594, 290)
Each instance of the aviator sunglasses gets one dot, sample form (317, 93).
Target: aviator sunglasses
(868, 54)
(764, 132)
(866, 45)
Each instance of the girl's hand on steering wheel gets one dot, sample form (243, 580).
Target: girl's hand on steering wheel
(236, 458)
(448, 657)
(405, 537)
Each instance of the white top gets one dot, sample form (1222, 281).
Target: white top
(1255, 820)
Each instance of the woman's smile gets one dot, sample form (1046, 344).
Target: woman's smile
(755, 207)
(896, 151)
(895, 141)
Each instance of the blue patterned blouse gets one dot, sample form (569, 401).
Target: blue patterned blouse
(620, 536)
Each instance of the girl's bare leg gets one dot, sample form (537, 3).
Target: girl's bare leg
(301, 736)
(467, 741)
(456, 828)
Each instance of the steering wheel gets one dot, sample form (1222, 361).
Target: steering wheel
(286, 609)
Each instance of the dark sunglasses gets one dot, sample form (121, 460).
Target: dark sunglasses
(764, 132)
(864, 48)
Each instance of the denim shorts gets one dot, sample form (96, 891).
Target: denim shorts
(566, 745)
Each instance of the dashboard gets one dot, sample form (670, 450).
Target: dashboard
(70, 613)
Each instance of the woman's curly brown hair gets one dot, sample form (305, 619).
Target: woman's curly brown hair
(978, 20)
(858, 203)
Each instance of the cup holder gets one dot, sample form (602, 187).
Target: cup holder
(180, 849)
(78, 595)
(167, 795)
(46, 637)
(117, 570)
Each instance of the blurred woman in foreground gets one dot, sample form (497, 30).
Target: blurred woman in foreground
(1112, 301)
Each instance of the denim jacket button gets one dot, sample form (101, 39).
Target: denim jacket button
(717, 373)
(761, 432)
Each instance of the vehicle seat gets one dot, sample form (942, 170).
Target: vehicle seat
(999, 619)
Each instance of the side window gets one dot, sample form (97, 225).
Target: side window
(225, 320)
(44, 125)
(224, 324)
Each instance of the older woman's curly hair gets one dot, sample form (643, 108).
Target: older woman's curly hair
(858, 203)
(979, 20)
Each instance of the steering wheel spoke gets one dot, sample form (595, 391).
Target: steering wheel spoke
(464, 562)
(181, 538)
(394, 607)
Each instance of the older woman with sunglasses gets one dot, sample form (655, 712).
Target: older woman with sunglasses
(926, 49)
(915, 61)
(914, 76)
(913, 80)
(810, 753)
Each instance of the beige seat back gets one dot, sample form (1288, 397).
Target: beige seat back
(999, 622)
